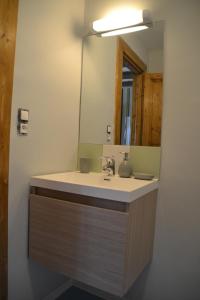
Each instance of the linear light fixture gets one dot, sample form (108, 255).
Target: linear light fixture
(122, 22)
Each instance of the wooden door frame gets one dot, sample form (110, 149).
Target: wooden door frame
(147, 107)
(8, 25)
(123, 50)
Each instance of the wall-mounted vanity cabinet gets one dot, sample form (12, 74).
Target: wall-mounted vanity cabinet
(102, 242)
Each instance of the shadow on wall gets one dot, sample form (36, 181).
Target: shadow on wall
(138, 293)
(77, 29)
(46, 278)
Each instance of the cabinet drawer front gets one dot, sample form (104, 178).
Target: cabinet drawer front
(86, 243)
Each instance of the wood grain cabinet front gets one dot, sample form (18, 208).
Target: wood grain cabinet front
(104, 248)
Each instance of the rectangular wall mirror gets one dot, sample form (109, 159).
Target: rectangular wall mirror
(122, 83)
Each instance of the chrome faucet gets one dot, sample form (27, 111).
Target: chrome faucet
(109, 167)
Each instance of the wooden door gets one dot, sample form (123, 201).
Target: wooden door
(152, 109)
(136, 137)
(8, 24)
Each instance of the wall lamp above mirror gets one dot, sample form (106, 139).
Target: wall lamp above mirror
(122, 22)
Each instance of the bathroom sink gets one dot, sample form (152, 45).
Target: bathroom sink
(95, 185)
(93, 231)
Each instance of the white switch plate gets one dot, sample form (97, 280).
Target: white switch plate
(24, 114)
(109, 129)
(23, 128)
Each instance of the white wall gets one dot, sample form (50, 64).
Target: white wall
(47, 82)
(155, 61)
(175, 271)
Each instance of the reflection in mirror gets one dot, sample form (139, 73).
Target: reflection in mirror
(128, 127)
(122, 89)
(128, 105)
(127, 114)
(138, 100)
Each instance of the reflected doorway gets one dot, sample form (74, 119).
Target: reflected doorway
(138, 105)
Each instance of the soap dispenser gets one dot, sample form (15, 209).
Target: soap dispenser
(125, 169)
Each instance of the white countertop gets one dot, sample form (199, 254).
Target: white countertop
(94, 185)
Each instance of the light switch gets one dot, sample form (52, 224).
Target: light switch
(23, 115)
(108, 133)
(109, 129)
(23, 119)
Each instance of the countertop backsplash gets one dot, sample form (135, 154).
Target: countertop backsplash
(143, 159)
